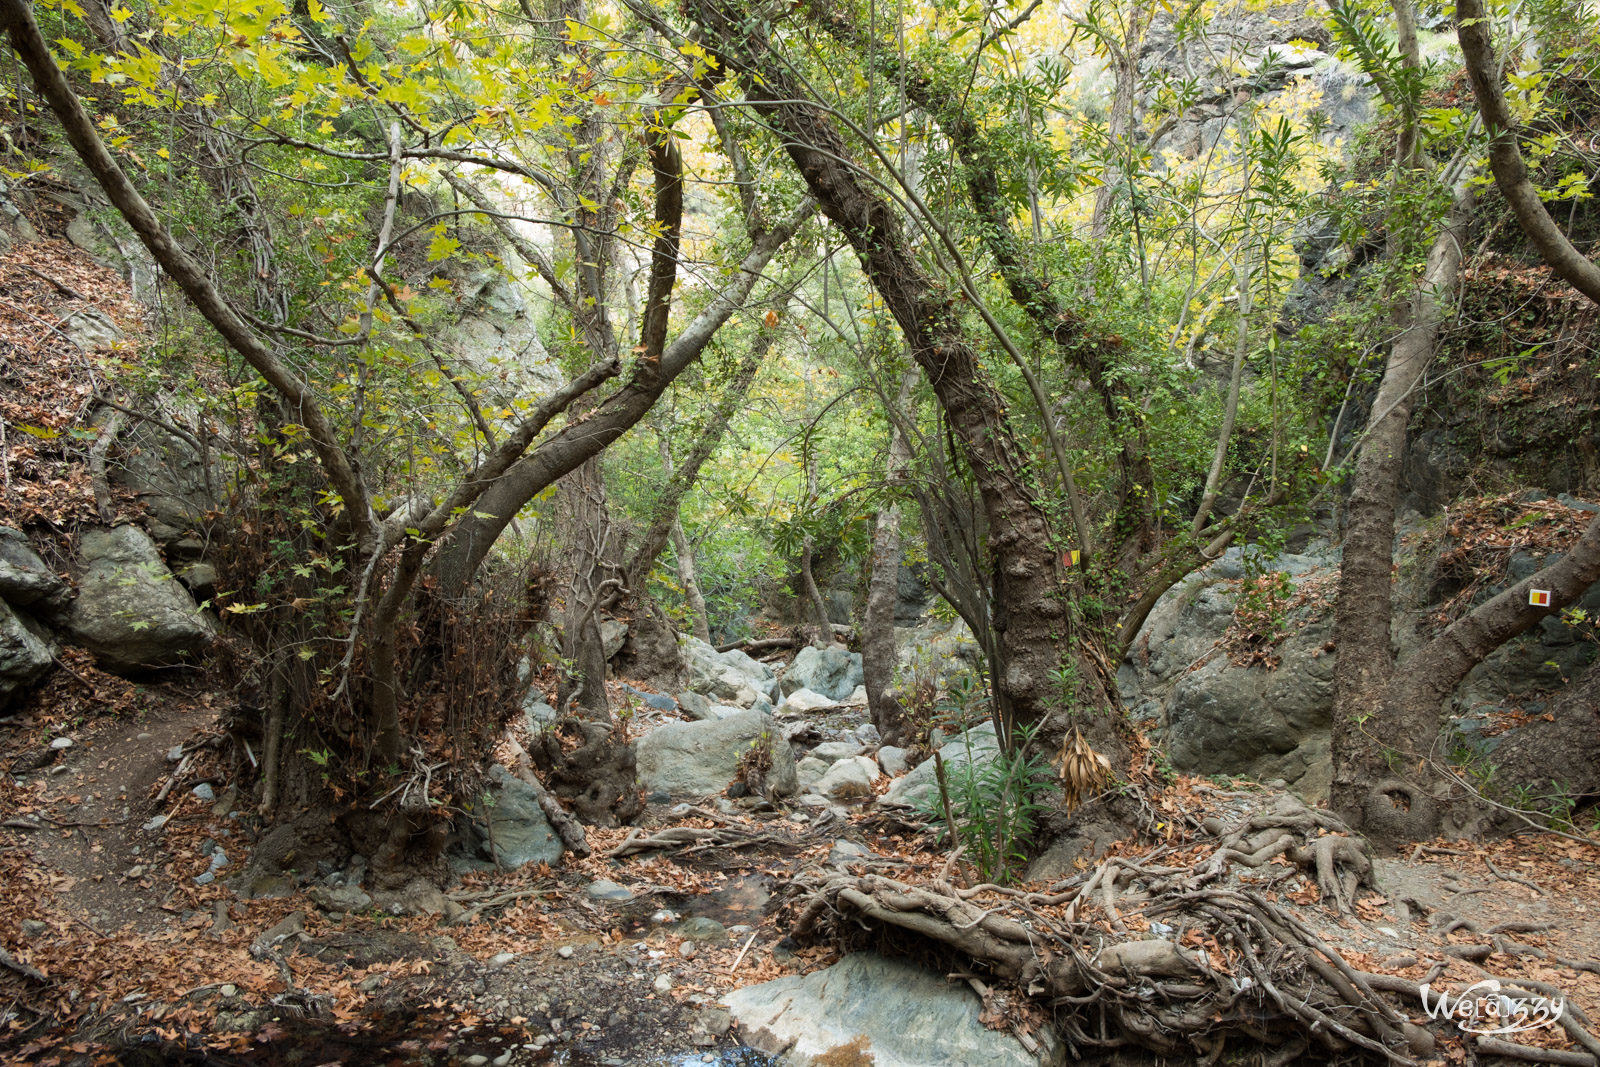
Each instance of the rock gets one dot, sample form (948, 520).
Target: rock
(130, 611)
(607, 890)
(858, 699)
(804, 700)
(155, 823)
(566, 952)
(24, 578)
(688, 760)
(663, 984)
(32, 928)
(830, 672)
(848, 779)
(200, 579)
(25, 654)
(700, 928)
(722, 675)
(659, 701)
(867, 1009)
(809, 772)
(292, 926)
(61, 743)
(612, 633)
(536, 713)
(844, 853)
(834, 751)
(867, 733)
(978, 745)
(92, 328)
(345, 898)
(521, 833)
(893, 760)
(204, 792)
(695, 705)
(939, 648)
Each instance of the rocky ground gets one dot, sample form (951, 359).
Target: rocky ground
(127, 926)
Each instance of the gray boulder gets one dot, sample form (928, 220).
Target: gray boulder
(727, 676)
(686, 760)
(978, 746)
(521, 833)
(613, 632)
(830, 672)
(848, 779)
(24, 654)
(24, 578)
(130, 610)
(834, 751)
(867, 1009)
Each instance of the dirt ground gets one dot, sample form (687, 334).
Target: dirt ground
(139, 957)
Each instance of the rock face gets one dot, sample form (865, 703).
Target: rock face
(687, 760)
(24, 655)
(867, 1009)
(521, 833)
(130, 611)
(830, 672)
(921, 786)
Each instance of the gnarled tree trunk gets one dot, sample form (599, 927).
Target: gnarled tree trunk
(878, 653)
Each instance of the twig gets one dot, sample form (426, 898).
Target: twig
(63, 287)
(12, 963)
(740, 957)
(1496, 1047)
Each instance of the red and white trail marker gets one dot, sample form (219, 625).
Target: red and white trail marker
(1539, 598)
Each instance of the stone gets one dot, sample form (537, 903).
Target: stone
(25, 654)
(844, 853)
(689, 760)
(700, 928)
(536, 713)
(566, 952)
(920, 787)
(867, 733)
(892, 759)
(61, 743)
(848, 779)
(695, 705)
(612, 633)
(834, 751)
(204, 792)
(345, 898)
(32, 928)
(521, 833)
(200, 579)
(722, 675)
(130, 611)
(804, 700)
(663, 984)
(24, 578)
(867, 1009)
(830, 672)
(658, 701)
(91, 328)
(809, 772)
(607, 890)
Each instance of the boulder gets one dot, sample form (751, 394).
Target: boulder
(695, 705)
(612, 633)
(24, 654)
(834, 751)
(830, 672)
(24, 578)
(130, 610)
(892, 759)
(920, 787)
(687, 760)
(520, 831)
(727, 676)
(803, 700)
(867, 1009)
(810, 771)
(848, 779)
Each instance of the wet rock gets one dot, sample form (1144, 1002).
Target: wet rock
(130, 611)
(689, 760)
(887, 1012)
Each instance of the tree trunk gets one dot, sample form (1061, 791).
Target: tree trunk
(582, 690)
(1505, 157)
(1044, 664)
(879, 656)
(1366, 741)
(699, 622)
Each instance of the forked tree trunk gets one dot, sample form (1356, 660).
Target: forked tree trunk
(878, 653)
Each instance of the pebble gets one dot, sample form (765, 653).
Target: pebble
(175, 753)
(663, 984)
(476, 1061)
(145, 737)
(502, 959)
(230, 990)
(1388, 931)
(61, 743)
(136, 871)
(502, 1059)
(205, 878)
(565, 952)
(663, 917)
(606, 889)
(204, 792)
(155, 824)
(687, 950)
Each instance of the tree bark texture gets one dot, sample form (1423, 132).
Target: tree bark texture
(699, 621)
(1034, 634)
(1364, 609)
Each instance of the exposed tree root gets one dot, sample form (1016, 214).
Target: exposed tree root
(687, 839)
(596, 772)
